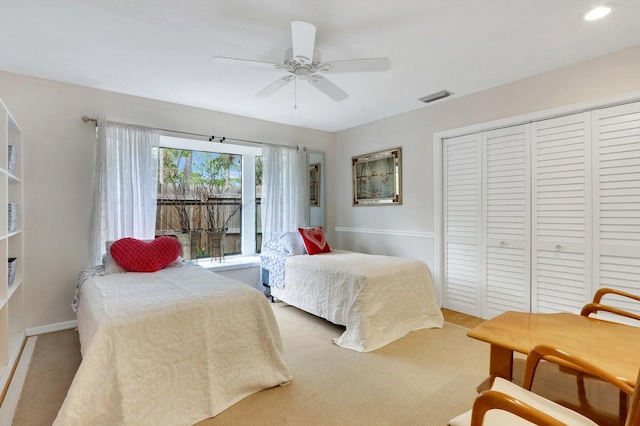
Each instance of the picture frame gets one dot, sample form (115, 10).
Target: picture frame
(377, 178)
(314, 185)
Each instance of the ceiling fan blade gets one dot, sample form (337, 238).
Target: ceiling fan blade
(328, 88)
(275, 86)
(245, 62)
(303, 37)
(356, 65)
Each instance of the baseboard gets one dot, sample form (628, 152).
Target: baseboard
(12, 395)
(34, 331)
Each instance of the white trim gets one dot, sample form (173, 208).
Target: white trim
(14, 355)
(229, 263)
(438, 254)
(231, 267)
(50, 328)
(248, 210)
(398, 233)
(184, 142)
(482, 223)
(7, 410)
(538, 115)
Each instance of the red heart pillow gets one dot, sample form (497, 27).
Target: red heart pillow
(314, 240)
(141, 256)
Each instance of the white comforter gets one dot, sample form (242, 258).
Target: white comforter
(170, 348)
(377, 298)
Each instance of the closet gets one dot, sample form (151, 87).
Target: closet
(561, 212)
(616, 199)
(537, 216)
(487, 222)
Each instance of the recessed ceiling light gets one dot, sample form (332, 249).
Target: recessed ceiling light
(597, 12)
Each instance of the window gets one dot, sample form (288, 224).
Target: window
(258, 204)
(207, 197)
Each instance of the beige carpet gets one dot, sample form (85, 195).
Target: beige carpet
(425, 378)
(55, 359)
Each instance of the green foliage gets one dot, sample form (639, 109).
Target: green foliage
(181, 166)
(212, 169)
(196, 182)
(259, 170)
(176, 165)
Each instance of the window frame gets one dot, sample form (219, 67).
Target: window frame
(248, 229)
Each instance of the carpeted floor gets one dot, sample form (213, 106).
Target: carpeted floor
(425, 378)
(55, 359)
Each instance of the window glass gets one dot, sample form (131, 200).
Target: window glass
(200, 201)
(258, 203)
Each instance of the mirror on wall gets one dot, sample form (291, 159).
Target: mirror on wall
(316, 188)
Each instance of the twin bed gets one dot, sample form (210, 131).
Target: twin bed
(378, 299)
(172, 347)
(182, 344)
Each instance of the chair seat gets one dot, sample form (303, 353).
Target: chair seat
(501, 417)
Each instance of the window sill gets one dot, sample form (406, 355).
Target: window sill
(230, 263)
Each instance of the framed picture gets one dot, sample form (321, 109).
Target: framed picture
(314, 181)
(377, 178)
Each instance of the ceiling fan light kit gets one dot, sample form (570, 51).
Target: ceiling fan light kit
(301, 66)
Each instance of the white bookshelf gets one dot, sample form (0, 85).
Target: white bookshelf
(12, 334)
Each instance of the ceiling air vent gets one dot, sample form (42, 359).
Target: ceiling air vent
(435, 96)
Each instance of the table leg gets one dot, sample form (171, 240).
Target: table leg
(501, 362)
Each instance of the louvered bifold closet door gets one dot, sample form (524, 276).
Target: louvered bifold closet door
(616, 168)
(506, 258)
(561, 203)
(462, 221)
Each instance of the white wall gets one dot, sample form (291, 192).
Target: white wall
(409, 228)
(249, 276)
(59, 155)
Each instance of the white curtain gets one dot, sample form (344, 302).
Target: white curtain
(285, 190)
(125, 187)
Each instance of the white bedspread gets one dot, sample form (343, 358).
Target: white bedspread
(377, 298)
(170, 348)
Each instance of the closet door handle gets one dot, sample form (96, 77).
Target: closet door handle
(503, 243)
(558, 246)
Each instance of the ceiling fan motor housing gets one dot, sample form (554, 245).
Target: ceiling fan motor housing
(303, 72)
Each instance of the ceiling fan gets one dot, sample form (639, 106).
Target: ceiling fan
(301, 65)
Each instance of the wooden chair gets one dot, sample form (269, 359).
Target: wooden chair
(509, 404)
(597, 306)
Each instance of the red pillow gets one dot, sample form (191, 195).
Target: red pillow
(314, 240)
(141, 256)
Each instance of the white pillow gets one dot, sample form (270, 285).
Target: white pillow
(292, 241)
(110, 265)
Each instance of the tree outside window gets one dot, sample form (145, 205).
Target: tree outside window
(199, 191)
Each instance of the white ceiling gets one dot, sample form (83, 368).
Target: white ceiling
(162, 49)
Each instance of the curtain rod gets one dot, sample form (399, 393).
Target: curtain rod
(210, 138)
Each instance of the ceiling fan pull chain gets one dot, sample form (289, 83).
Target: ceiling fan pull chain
(295, 93)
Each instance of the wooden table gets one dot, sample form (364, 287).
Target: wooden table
(611, 346)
